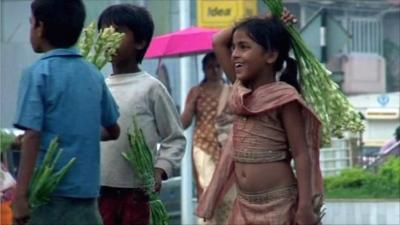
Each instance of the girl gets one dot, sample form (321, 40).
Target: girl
(272, 126)
(202, 104)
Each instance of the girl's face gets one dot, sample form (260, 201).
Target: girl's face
(212, 70)
(250, 59)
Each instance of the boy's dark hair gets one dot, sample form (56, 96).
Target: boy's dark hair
(62, 20)
(136, 18)
(271, 34)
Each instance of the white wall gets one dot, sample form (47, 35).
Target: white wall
(362, 212)
(378, 130)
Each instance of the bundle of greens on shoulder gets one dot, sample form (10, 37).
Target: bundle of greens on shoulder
(97, 49)
(141, 160)
(318, 89)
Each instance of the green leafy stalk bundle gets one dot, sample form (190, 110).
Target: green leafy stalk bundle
(320, 92)
(98, 48)
(141, 160)
(45, 177)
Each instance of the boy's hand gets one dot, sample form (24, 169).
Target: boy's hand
(158, 175)
(21, 210)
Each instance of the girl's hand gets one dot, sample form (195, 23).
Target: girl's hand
(288, 18)
(305, 216)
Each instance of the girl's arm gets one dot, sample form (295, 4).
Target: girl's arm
(295, 129)
(190, 106)
(222, 49)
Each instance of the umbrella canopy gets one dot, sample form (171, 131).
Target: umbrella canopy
(189, 41)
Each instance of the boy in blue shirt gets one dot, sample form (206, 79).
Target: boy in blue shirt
(62, 95)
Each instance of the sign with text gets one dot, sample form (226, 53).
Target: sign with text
(223, 13)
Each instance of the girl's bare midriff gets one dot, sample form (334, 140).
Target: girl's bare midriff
(264, 176)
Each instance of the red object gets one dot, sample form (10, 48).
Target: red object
(124, 208)
(189, 41)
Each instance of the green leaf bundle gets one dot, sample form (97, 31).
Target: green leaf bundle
(319, 91)
(98, 48)
(45, 177)
(140, 159)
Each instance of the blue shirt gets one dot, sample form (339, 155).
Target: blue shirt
(63, 95)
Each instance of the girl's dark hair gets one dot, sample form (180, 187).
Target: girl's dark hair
(209, 56)
(62, 20)
(272, 35)
(135, 18)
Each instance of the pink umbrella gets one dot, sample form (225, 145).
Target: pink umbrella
(189, 41)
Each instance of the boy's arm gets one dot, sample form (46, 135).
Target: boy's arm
(29, 117)
(109, 116)
(29, 150)
(173, 142)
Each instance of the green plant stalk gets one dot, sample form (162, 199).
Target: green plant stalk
(45, 178)
(140, 159)
(98, 51)
(319, 91)
(99, 47)
(87, 39)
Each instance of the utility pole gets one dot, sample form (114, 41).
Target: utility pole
(324, 57)
(186, 168)
(303, 15)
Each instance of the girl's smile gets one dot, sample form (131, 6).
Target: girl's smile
(250, 60)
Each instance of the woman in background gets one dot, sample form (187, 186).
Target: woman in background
(206, 103)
